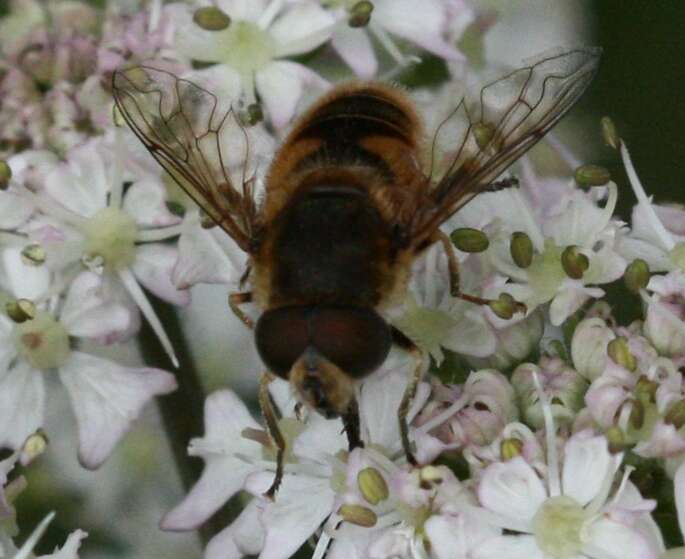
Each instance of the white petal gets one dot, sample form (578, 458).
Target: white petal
(655, 256)
(355, 48)
(88, 313)
(569, 299)
(301, 505)
(321, 439)
(613, 540)
(454, 537)
(249, 10)
(23, 280)
(245, 536)
(301, 30)
(107, 398)
(14, 210)
(22, 396)
(152, 267)
(193, 41)
(206, 256)
(225, 419)
(586, 464)
(511, 547)
(145, 202)
(70, 548)
(513, 490)
(679, 488)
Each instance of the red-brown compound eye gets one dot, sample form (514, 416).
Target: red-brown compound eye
(354, 339)
(281, 336)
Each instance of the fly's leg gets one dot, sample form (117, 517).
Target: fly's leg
(405, 343)
(271, 420)
(237, 299)
(350, 421)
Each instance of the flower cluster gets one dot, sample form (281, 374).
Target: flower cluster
(541, 421)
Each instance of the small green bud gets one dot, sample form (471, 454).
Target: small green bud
(467, 239)
(5, 174)
(521, 248)
(253, 114)
(636, 276)
(211, 18)
(356, 514)
(616, 439)
(645, 390)
(609, 132)
(21, 310)
(511, 448)
(592, 175)
(620, 354)
(33, 255)
(676, 415)
(372, 485)
(176, 208)
(360, 14)
(483, 132)
(505, 306)
(574, 262)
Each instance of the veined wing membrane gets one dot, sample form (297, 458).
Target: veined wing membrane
(480, 139)
(196, 140)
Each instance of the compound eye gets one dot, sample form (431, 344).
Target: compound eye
(356, 340)
(281, 338)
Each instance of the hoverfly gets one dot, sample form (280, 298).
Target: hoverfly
(348, 207)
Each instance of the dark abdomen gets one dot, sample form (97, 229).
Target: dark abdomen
(328, 248)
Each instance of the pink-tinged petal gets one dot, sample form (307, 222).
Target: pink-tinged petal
(321, 439)
(280, 86)
(422, 24)
(107, 398)
(223, 449)
(206, 256)
(89, 313)
(22, 397)
(245, 536)
(301, 505)
(301, 29)
(145, 202)
(511, 547)
(586, 464)
(665, 441)
(454, 537)
(152, 267)
(355, 48)
(679, 488)
(14, 210)
(607, 539)
(513, 490)
(70, 548)
(30, 167)
(20, 279)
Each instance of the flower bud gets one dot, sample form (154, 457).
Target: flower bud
(636, 276)
(21, 310)
(505, 306)
(510, 448)
(620, 353)
(467, 239)
(5, 174)
(592, 175)
(33, 255)
(609, 132)
(676, 415)
(589, 347)
(521, 249)
(356, 514)
(211, 18)
(372, 485)
(483, 132)
(360, 14)
(574, 262)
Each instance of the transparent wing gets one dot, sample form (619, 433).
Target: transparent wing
(197, 140)
(482, 138)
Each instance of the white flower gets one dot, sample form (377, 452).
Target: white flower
(665, 320)
(89, 220)
(251, 50)
(106, 397)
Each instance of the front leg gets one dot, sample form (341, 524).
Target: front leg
(237, 299)
(405, 343)
(271, 420)
(350, 421)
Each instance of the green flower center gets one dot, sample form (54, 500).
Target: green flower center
(557, 527)
(678, 256)
(245, 47)
(111, 234)
(546, 273)
(42, 342)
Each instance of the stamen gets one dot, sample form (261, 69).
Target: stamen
(643, 200)
(159, 234)
(26, 550)
(155, 15)
(268, 15)
(571, 160)
(145, 307)
(389, 45)
(550, 438)
(53, 209)
(443, 416)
